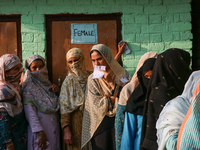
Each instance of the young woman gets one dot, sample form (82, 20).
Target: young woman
(41, 106)
(124, 96)
(13, 125)
(71, 99)
(134, 108)
(170, 73)
(101, 100)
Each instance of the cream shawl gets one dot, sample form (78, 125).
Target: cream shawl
(97, 93)
(129, 88)
(73, 88)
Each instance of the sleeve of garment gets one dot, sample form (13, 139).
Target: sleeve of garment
(119, 125)
(65, 120)
(5, 125)
(172, 142)
(32, 118)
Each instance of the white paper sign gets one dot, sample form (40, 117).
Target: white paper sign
(97, 73)
(84, 33)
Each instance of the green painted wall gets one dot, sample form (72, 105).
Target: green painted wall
(147, 25)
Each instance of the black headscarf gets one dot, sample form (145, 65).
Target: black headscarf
(170, 73)
(135, 103)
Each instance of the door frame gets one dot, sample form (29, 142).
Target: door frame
(76, 17)
(195, 31)
(17, 19)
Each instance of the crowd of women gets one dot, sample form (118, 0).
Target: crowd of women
(156, 109)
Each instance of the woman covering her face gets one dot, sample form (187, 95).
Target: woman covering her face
(13, 125)
(134, 108)
(170, 73)
(41, 106)
(101, 100)
(72, 97)
(124, 96)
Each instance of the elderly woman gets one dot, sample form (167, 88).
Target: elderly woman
(71, 99)
(101, 100)
(41, 106)
(170, 73)
(13, 125)
(124, 96)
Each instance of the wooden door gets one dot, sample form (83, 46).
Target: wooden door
(107, 32)
(10, 35)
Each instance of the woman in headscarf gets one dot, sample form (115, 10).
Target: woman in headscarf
(71, 99)
(101, 100)
(134, 108)
(13, 125)
(173, 114)
(170, 73)
(188, 137)
(41, 106)
(124, 95)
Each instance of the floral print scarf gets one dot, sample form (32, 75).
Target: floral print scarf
(9, 89)
(37, 88)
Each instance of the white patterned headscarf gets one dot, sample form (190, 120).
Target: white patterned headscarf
(37, 88)
(9, 88)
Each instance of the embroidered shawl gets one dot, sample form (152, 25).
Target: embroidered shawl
(37, 88)
(73, 88)
(97, 101)
(170, 73)
(7, 90)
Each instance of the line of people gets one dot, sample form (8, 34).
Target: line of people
(99, 114)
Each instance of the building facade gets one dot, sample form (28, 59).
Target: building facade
(146, 25)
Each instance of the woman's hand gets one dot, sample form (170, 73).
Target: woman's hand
(10, 146)
(109, 78)
(68, 135)
(55, 88)
(121, 47)
(42, 140)
(120, 51)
